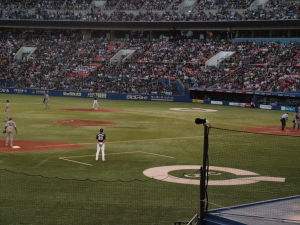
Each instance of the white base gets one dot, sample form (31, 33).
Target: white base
(16, 147)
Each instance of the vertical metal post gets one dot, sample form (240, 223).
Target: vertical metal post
(203, 176)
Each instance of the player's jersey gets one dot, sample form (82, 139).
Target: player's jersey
(10, 126)
(100, 137)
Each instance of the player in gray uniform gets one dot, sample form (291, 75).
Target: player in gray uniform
(7, 109)
(100, 137)
(296, 121)
(10, 126)
(46, 100)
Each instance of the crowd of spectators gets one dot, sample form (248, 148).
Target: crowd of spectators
(148, 10)
(77, 4)
(219, 4)
(63, 60)
(131, 4)
(157, 4)
(263, 67)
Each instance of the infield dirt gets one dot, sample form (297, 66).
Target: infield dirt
(37, 146)
(84, 123)
(94, 110)
(274, 130)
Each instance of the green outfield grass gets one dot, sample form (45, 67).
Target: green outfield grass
(41, 187)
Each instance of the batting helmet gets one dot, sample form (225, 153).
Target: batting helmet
(101, 130)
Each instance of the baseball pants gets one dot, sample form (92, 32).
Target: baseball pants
(283, 123)
(9, 139)
(100, 147)
(95, 104)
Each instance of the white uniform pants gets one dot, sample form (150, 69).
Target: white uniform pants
(100, 147)
(7, 114)
(95, 104)
(9, 139)
(46, 104)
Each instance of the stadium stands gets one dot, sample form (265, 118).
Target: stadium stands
(149, 10)
(62, 60)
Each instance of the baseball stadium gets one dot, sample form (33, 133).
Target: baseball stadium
(150, 112)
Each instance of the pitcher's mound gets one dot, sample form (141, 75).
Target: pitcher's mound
(84, 123)
(274, 130)
(94, 110)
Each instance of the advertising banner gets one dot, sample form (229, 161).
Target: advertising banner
(88, 94)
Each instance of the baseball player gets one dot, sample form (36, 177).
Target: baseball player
(95, 102)
(283, 120)
(7, 109)
(100, 137)
(9, 128)
(46, 100)
(296, 121)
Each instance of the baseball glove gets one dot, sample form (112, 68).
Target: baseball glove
(4, 131)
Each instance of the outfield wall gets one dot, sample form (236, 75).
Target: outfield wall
(286, 101)
(89, 94)
(139, 97)
(248, 105)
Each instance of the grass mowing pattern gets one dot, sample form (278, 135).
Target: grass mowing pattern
(117, 197)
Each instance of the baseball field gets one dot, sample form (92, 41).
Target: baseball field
(153, 155)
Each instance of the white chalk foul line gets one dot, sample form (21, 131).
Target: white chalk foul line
(67, 158)
(150, 153)
(74, 161)
(116, 153)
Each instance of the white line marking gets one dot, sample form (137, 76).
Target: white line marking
(86, 164)
(79, 156)
(150, 153)
(42, 162)
(67, 158)
(116, 153)
(121, 153)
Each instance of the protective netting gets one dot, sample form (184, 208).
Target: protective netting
(36, 199)
(246, 167)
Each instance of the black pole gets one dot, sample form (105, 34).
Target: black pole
(203, 177)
